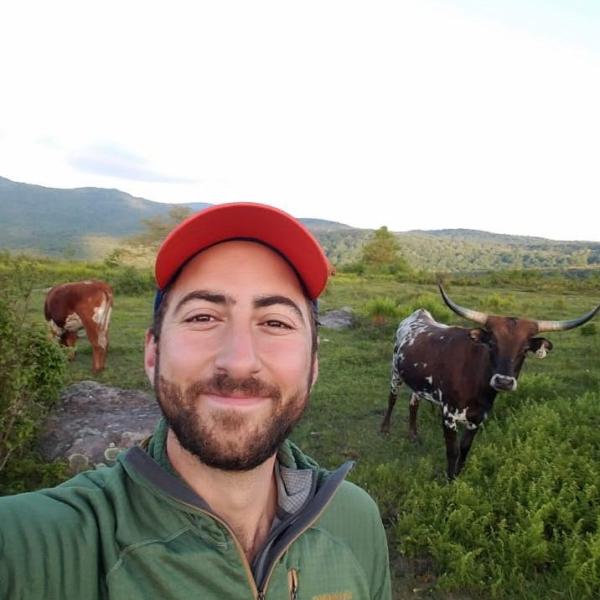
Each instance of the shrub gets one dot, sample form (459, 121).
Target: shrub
(499, 304)
(32, 368)
(130, 281)
(381, 309)
(429, 302)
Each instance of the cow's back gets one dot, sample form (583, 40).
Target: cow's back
(76, 298)
(441, 360)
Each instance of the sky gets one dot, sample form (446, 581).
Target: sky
(414, 114)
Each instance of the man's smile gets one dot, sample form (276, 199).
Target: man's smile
(233, 400)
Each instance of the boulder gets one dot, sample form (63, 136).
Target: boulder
(337, 319)
(92, 423)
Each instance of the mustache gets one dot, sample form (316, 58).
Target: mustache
(222, 384)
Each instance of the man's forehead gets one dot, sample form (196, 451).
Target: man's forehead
(223, 266)
(228, 261)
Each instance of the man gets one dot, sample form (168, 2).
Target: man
(218, 504)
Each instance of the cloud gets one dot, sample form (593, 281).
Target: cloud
(111, 161)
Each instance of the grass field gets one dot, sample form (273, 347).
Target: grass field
(408, 481)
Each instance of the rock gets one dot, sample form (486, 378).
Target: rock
(92, 423)
(337, 319)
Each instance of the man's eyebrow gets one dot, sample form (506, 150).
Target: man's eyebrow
(206, 295)
(265, 301)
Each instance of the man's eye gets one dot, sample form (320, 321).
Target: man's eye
(277, 324)
(200, 319)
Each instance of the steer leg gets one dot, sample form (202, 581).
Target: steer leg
(394, 385)
(98, 342)
(451, 440)
(413, 409)
(465, 445)
(385, 424)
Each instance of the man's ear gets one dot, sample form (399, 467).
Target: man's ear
(315, 373)
(541, 346)
(150, 350)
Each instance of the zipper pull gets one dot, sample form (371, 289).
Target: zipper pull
(293, 584)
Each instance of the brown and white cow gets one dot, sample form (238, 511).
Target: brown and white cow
(462, 369)
(81, 305)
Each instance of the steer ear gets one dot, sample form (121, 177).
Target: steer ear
(541, 346)
(478, 335)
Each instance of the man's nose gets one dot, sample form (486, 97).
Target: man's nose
(238, 354)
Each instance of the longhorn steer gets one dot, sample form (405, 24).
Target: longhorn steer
(81, 305)
(463, 369)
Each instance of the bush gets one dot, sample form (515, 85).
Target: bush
(130, 281)
(499, 303)
(32, 368)
(429, 302)
(381, 310)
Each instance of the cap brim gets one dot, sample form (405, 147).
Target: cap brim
(259, 222)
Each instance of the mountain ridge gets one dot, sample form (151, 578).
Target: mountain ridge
(90, 222)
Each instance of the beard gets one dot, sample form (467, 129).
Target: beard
(227, 439)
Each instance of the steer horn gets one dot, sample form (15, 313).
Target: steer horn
(467, 313)
(564, 325)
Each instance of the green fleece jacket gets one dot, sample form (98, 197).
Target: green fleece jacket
(137, 531)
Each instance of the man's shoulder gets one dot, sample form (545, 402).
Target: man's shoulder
(68, 503)
(352, 500)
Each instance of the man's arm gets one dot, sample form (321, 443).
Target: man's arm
(48, 547)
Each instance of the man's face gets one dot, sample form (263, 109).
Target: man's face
(233, 366)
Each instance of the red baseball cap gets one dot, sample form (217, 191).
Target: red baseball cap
(245, 220)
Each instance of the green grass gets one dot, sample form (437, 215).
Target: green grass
(342, 423)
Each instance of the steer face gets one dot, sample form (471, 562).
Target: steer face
(508, 340)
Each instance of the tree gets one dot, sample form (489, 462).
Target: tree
(382, 253)
(156, 228)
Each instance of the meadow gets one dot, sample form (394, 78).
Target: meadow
(523, 520)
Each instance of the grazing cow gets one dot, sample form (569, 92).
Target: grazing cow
(81, 305)
(462, 369)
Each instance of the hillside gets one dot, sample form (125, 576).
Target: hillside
(70, 221)
(88, 223)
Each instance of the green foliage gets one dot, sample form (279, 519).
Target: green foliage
(526, 510)
(536, 386)
(157, 227)
(78, 219)
(500, 304)
(382, 253)
(131, 281)
(588, 329)
(381, 310)
(32, 367)
(429, 302)
(28, 471)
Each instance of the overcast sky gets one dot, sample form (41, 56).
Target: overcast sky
(415, 114)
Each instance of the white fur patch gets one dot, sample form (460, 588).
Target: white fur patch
(73, 323)
(454, 417)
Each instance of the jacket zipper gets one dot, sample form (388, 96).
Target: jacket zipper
(263, 591)
(293, 584)
(259, 595)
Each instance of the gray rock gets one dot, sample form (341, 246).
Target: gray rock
(92, 423)
(337, 319)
